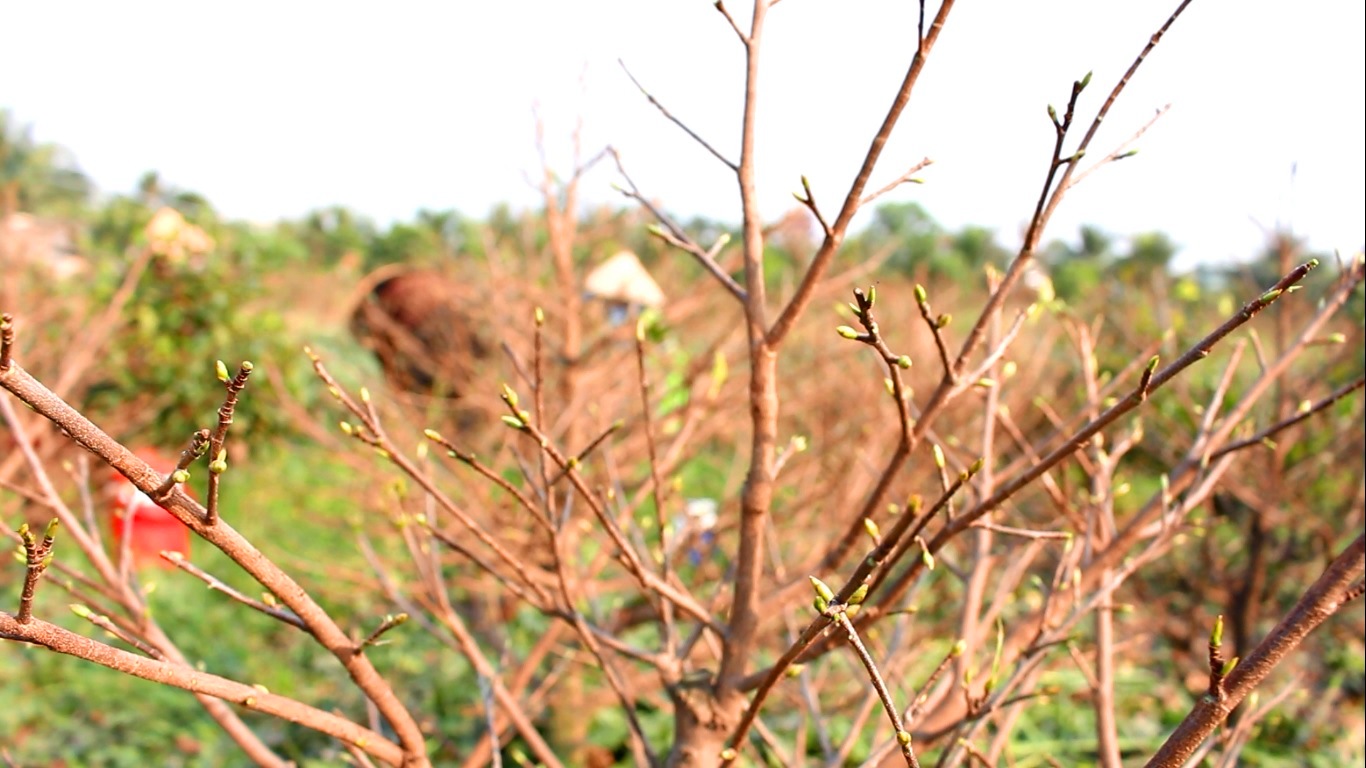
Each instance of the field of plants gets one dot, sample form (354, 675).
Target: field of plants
(893, 495)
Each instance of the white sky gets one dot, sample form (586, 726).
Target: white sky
(272, 109)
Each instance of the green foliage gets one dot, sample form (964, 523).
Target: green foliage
(183, 316)
(35, 177)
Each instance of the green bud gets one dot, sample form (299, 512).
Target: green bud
(248, 366)
(799, 443)
(540, 317)
(1216, 635)
(938, 456)
(364, 395)
(222, 371)
(509, 396)
(903, 362)
(846, 332)
(1270, 296)
(959, 648)
(1052, 113)
(346, 428)
(943, 321)
(433, 435)
(822, 589)
(927, 558)
(728, 754)
(1229, 666)
(514, 422)
(859, 595)
(51, 531)
(1085, 81)
(874, 532)
(977, 466)
(872, 296)
(181, 476)
(852, 610)
(920, 295)
(820, 604)
(903, 738)
(218, 466)
(794, 670)
(81, 610)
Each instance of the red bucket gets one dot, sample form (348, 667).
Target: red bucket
(148, 528)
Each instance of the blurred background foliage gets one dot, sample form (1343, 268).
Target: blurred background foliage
(261, 291)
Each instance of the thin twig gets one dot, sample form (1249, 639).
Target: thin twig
(671, 118)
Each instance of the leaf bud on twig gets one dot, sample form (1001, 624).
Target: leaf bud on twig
(822, 589)
(874, 532)
(859, 595)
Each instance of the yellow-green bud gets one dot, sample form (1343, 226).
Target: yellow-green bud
(859, 595)
(846, 332)
(822, 589)
(222, 370)
(871, 527)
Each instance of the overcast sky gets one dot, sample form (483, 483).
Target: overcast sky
(273, 109)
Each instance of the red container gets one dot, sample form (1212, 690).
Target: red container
(136, 518)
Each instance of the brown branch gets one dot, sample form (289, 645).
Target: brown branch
(218, 585)
(1299, 416)
(821, 261)
(674, 235)
(233, 544)
(252, 697)
(218, 456)
(906, 178)
(1318, 603)
(671, 118)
